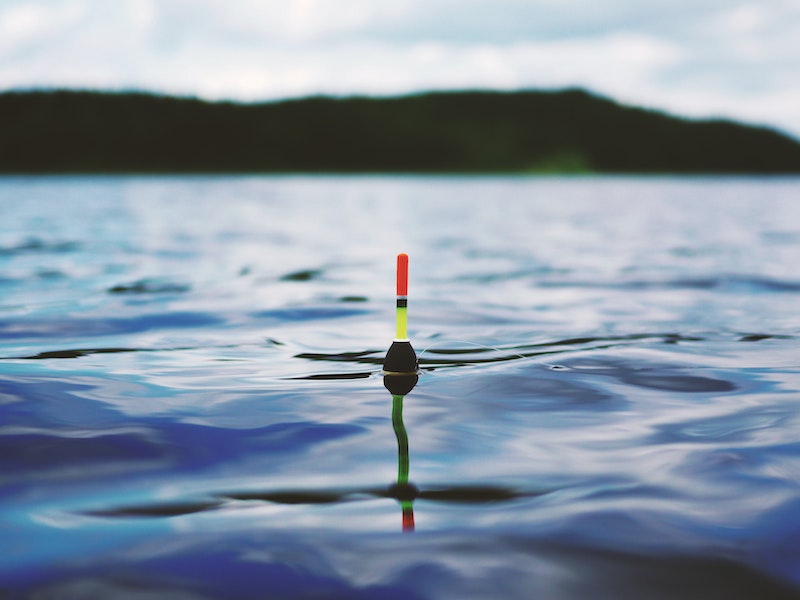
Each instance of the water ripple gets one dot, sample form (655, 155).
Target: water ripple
(150, 286)
(44, 328)
(723, 283)
(667, 377)
(39, 246)
(461, 494)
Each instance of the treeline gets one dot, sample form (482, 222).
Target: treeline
(529, 131)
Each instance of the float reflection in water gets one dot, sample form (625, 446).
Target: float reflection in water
(403, 491)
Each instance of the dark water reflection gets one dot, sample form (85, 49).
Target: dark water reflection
(607, 405)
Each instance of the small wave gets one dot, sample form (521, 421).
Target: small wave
(334, 376)
(311, 313)
(437, 356)
(75, 353)
(729, 283)
(155, 510)
(302, 275)
(488, 354)
(46, 328)
(758, 337)
(644, 374)
(39, 246)
(150, 286)
(43, 453)
(296, 496)
(734, 428)
(478, 494)
(369, 357)
(67, 353)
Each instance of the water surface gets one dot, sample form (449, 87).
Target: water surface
(191, 402)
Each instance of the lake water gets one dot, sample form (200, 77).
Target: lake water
(191, 400)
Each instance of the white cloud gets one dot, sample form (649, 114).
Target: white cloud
(27, 26)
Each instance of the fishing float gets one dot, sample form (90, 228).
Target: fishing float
(400, 375)
(401, 360)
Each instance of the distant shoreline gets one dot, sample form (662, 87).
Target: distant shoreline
(568, 132)
(402, 174)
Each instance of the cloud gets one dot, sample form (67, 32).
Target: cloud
(716, 57)
(26, 26)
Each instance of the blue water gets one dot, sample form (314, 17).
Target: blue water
(191, 400)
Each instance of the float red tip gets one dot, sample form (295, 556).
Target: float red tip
(402, 274)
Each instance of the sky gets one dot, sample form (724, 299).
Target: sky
(736, 59)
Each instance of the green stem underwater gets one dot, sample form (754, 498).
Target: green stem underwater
(402, 440)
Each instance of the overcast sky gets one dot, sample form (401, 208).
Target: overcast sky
(732, 58)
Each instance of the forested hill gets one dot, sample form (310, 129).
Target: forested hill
(528, 131)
